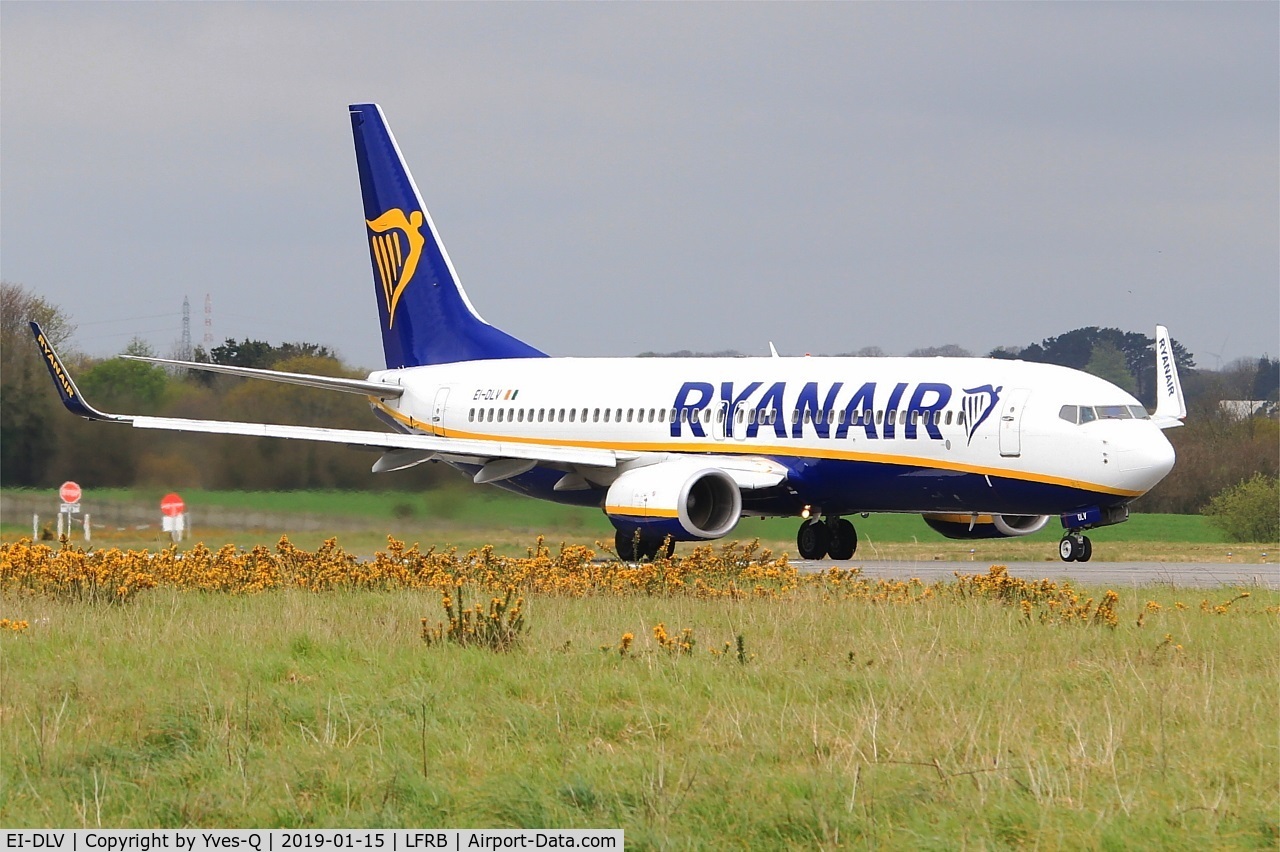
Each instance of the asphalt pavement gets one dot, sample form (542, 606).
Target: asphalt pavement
(1198, 575)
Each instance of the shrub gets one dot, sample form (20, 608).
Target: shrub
(1248, 511)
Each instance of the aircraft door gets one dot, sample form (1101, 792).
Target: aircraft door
(437, 411)
(1011, 422)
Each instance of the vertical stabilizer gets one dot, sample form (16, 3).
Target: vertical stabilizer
(425, 314)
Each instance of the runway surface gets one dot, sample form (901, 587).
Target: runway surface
(1198, 575)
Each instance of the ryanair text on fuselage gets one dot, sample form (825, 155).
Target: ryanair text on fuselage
(828, 413)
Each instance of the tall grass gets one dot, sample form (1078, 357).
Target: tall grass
(814, 718)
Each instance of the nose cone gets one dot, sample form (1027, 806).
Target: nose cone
(1144, 460)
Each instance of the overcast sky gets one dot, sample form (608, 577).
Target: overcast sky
(615, 178)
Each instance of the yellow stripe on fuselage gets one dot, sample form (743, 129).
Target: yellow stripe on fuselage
(733, 447)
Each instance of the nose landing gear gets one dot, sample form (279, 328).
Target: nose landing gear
(1075, 547)
(834, 537)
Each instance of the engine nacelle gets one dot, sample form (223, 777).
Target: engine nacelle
(986, 526)
(683, 499)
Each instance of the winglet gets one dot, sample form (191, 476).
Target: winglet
(71, 396)
(1171, 406)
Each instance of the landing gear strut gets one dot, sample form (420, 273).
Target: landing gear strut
(635, 547)
(834, 537)
(1075, 547)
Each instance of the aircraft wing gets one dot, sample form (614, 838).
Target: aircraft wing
(401, 449)
(429, 445)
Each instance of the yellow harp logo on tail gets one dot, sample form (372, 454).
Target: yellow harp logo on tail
(395, 241)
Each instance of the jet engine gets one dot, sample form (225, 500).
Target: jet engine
(683, 499)
(986, 526)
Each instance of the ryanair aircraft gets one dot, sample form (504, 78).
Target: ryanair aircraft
(678, 449)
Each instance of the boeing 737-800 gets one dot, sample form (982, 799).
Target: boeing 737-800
(679, 449)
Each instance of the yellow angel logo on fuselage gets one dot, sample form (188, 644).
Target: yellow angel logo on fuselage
(396, 245)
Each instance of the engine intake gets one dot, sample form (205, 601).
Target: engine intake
(683, 499)
(986, 526)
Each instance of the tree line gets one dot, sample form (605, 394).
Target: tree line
(41, 445)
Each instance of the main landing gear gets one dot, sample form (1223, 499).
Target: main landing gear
(1075, 547)
(832, 536)
(632, 546)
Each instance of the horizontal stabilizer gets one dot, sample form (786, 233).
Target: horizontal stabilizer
(382, 390)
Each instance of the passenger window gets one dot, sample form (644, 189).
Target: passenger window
(595, 416)
(471, 416)
(960, 419)
(948, 418)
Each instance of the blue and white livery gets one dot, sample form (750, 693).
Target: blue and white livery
(679, 449)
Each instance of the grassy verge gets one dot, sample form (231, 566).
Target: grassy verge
(721, 696)
(845, 720)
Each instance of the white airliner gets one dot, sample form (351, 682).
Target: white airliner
(678, 449)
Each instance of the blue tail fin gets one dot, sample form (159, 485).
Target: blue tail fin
(426, 316)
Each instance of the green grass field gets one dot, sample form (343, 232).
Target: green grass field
(469, 517)
(847, 723)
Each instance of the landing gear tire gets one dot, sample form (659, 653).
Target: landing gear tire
(813, 539)
(844, 539)
(1075, 548)
(626, 543)
(638, 548)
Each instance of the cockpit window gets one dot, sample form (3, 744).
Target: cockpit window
(1089, 413)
